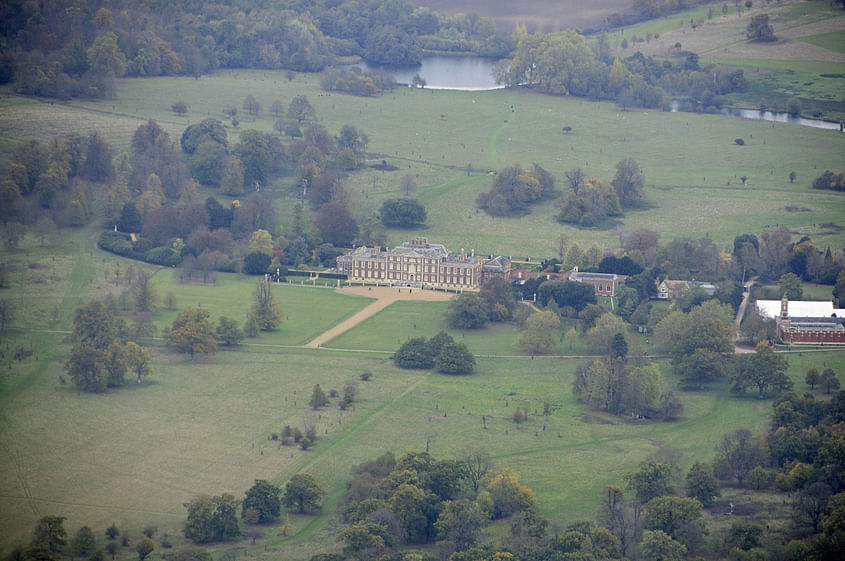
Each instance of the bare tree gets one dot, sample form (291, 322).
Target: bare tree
(477, 462)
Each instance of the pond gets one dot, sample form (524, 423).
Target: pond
(469, 73)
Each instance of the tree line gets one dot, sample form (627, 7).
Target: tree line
(69, 49)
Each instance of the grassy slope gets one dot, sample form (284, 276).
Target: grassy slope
(690, 161)
(804, 62)
(135, 455)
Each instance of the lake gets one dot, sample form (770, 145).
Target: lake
(472, 73)
(469, 73)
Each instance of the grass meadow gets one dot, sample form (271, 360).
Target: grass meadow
(135, 455)
(691, 164)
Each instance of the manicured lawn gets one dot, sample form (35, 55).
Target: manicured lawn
(308, 311)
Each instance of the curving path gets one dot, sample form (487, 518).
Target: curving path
(384, 296)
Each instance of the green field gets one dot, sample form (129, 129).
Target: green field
(691, 164)
(135, 455)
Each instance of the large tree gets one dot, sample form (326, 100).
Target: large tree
(303, 493)
(265, 310)
(566, 293)
(541, 333)
(402, 212)
(652, 479)
(454, 358)
(212, 519)
(192, 333)
(763, 370)
(628, 182)
(336, 224)
(737, 454)
(264, 498)
(467, 311)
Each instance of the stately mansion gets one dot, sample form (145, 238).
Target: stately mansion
(421, 264)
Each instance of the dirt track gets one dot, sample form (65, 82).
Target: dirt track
(384, 297)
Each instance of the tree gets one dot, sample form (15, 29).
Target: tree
(251, 105)
(628, 182)
(829, 381)
(212, 519)
(414, 353)
(737, 454)
(144, 547)
(540, 334)
(145, 296)
(130, 220)
(812, 377)
(653, 479)
(50, 533)
(669, 405)
(789, 285)
(137, 360)
(670, 514)
(208, 163)
(764, 369)
(300, 109)
(256, 263)
(361, 537)
(105, 59)
(454, 358)
(261, 242)
(192, 333)
(228, 331)
(87, 368)
(265, 310)
(658, 546)
(619, 347)
(83, 541)
(467, 311)
(566, 293)
(352, 141)
(477, 462)
(509, 496)
(702, 484)
(514, 189)
(98, 159)
(318, 398)
(336, 224)
(303, 493)
(254, 154)
(232, 180)
(264, 498)
(460, 522)
(402, 212)
(759, 29)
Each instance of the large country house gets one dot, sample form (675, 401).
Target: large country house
(421, 264)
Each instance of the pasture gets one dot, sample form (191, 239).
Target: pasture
(692, 166)
(135, 455)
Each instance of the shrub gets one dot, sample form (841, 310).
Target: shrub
(179, 107)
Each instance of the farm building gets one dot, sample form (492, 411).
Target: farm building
(803, 322)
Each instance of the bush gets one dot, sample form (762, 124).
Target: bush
(179, 107)
(256, 263)
(163, 256)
